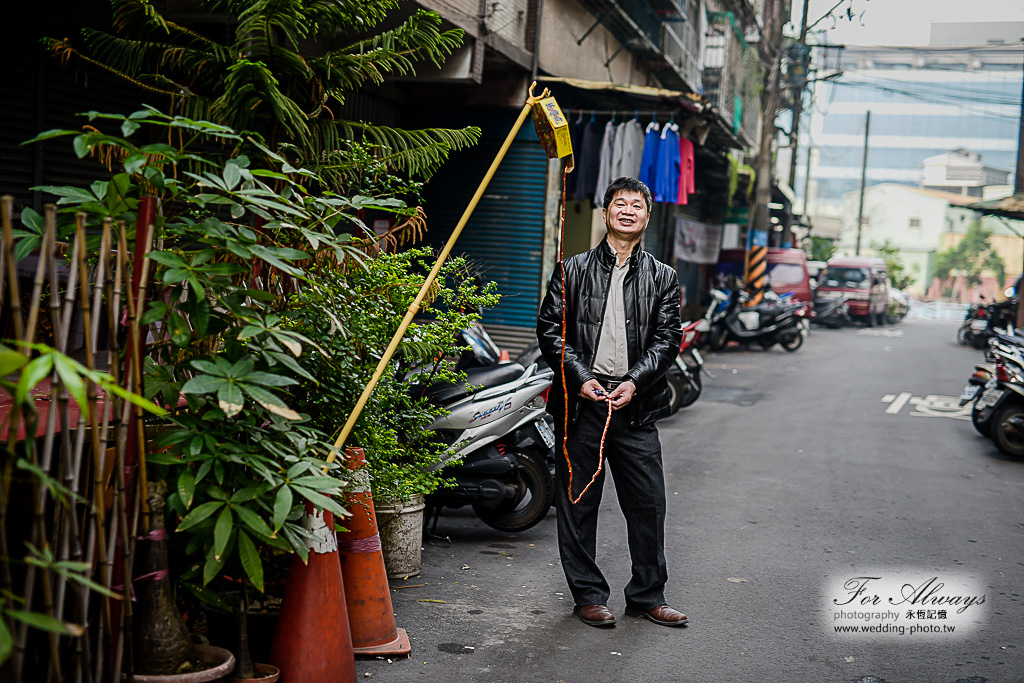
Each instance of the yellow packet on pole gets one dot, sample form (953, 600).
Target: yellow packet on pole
(553, 130)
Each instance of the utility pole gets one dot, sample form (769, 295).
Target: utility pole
(760, 226)
(1018, 189)
(863, 179)
(807, 187)
(798, 105)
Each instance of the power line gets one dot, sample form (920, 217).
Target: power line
(917, 96)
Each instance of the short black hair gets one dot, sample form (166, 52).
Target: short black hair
(626, 183)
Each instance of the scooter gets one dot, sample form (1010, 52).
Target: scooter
(975, 323)
(499, 445)
(684, 377)
(998, 410)
(832, 312)
(764, 324)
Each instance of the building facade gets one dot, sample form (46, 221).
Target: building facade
(961, 92)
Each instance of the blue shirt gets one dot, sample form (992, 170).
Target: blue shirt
(650, 155)
(666, 174)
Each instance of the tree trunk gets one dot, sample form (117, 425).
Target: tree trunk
(163, 643)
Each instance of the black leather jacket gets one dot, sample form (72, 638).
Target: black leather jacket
(651, 296)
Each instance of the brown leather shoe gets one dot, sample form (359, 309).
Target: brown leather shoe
(663, 615)
(595, 615)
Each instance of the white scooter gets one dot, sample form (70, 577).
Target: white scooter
(501, 443)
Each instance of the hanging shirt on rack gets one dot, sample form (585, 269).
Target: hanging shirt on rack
(687, 173)
(587, 164)
(604, 171)
(629, 146)
(649, 158)
(666, 173)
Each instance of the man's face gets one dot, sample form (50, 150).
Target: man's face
(627, 215)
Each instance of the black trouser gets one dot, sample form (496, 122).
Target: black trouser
(634, 456)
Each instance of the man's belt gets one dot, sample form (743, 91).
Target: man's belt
(609, 382)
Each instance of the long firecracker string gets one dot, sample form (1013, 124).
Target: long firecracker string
(565, 387)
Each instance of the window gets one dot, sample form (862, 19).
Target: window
(914, 224)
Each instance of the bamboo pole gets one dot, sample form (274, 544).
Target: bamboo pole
(414, 307)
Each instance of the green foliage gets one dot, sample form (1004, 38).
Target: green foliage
(240, 460)
(898, 275)
(269, 319)
(818, 248)
(352, 316)
(971, 258)
(281, 68)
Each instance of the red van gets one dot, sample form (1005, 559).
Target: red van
(787, 272)
(864, 281)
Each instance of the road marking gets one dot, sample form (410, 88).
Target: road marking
(896, 403)
(931, 405)
(877, 332)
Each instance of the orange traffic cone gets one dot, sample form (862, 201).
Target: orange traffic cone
(503, 357)
(371, 616)
(312, 643)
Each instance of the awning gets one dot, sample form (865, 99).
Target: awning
(1007, 207)
(637, 94)
(606, 95)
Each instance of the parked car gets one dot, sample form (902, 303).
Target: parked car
(899, 305)
(863, 281)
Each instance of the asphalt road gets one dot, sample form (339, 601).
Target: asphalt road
(792, 475)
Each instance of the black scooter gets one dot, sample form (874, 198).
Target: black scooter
(765, 324)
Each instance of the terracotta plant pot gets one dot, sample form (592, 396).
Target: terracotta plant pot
(265, 673)
(219, 664)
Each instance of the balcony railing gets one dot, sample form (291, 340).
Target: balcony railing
(662, 30)
(681, 51)
(732, 76)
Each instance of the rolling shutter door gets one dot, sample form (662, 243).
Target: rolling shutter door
(503, 238)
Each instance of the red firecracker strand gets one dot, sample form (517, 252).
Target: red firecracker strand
(565, 386)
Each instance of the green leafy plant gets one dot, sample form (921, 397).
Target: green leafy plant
(898, 275)
(353, 315)
(971, 258)
(819, 248)
(281, 72)
(267, 319)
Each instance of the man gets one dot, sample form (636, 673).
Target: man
(622, 334)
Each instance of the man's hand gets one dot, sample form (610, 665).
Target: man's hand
(622, 395)
(593, 391)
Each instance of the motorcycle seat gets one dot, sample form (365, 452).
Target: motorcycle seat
(443, 393)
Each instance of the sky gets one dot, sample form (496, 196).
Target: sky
(900, 22)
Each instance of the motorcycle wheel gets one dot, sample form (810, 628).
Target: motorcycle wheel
(979, 342)
(983, 429)
(531, 504)
(766, 342)
(717, 339)
(1007, 439)
(691, 392)
(793, 343)
(963, 336)
(677, 386)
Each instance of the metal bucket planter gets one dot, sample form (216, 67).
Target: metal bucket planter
(401, 535)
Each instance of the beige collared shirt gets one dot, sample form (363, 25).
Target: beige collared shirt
(612, 356)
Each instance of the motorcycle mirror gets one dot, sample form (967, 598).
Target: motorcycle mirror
(1008, 292)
